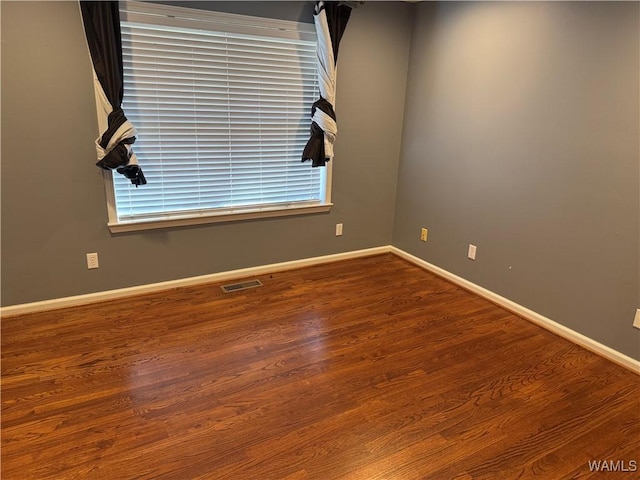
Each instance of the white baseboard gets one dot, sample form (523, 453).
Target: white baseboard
(548, 324)
(76, 300)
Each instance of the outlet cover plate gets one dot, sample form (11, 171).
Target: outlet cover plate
(92, 261)
(636, 321)
(471, 254)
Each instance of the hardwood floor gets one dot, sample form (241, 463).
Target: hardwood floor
(362, 369)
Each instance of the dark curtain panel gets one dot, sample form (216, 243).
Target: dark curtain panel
(331, 20)
(102, 29)
(337, 18)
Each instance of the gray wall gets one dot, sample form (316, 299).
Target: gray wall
(521, 137)
(53, 203)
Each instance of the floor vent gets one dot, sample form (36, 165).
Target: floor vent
(234, 287)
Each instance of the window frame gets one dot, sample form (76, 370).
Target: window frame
(186, 17)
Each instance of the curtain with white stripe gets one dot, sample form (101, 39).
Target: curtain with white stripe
(102, 29)
(330, 20)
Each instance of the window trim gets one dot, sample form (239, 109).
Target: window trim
(181, 16)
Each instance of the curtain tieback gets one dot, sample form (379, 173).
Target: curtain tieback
(114, 148)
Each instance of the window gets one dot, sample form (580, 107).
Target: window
(222, 105)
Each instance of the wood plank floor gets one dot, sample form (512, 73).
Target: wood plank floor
(363, 369)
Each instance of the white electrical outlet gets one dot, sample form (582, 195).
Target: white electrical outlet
(636, 321)
(423, 234)
(338, 229)
(92, 261)
(471, 254)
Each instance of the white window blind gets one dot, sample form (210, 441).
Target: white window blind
(221, 104)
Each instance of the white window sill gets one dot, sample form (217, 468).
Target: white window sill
(204, 218)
